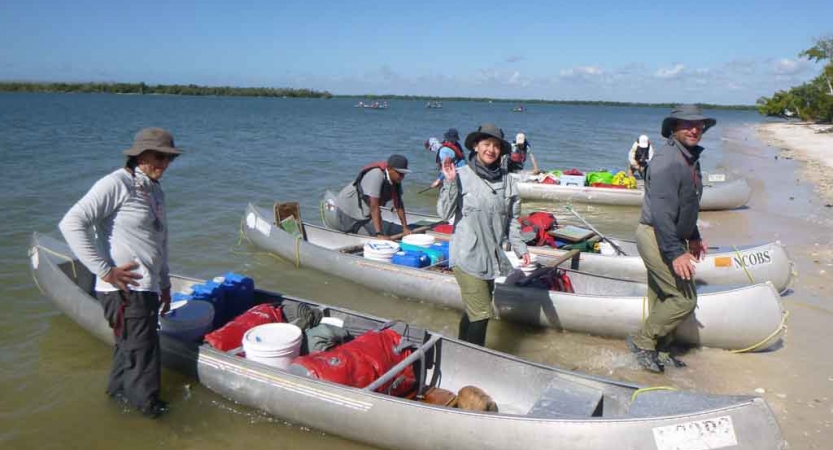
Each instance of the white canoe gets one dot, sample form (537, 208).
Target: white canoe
(732, 318)
(538, 406)
(717, 196)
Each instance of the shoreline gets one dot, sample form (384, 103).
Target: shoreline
(803, 142)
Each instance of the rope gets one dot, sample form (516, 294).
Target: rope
(781, 328)
(743, 264)
(297, 252)
(649, 389)
(241, 235)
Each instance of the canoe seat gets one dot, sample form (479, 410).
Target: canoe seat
(563, 399)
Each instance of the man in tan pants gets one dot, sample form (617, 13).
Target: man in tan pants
(667, 236)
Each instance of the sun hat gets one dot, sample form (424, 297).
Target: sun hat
(520, 138)
(451, 135)
(433, 144)
(487, 130)
(156, 139)
(398, 163)
(643, 141)
(685, 112)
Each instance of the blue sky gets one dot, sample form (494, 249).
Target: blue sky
(708, 51)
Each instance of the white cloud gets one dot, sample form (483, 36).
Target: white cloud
(789, 66)
(581, 71)
(673, 72)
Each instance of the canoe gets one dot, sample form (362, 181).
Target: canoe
(723, 265)
(538, 406)
(732, 318)
(717, 196)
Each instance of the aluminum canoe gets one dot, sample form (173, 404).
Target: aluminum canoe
(745, 317)
(539, 407)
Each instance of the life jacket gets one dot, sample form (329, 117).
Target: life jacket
(560, 282)
(534, 228)
(396, 190)
(642, 155)
(361, 361)
(458, 152)
(518, 154)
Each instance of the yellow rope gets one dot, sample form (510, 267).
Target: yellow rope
(743, 264)
(38, 285)
(60, 255)
(649, 389)
(782, 327)
(644, 307)
(297, 252)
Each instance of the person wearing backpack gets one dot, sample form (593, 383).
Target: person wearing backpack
(483, 204)
(449, 148)
(667, 236)
(641, 152)
(518, 154)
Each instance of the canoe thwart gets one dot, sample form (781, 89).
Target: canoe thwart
(561, 400)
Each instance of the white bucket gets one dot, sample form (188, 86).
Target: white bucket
(380, 250)
(421, 240)
(531, 267)
(273, 344)
(188, 320)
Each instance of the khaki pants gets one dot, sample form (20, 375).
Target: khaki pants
(477, 295)
(670, 298)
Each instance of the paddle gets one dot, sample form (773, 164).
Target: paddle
(614, 244)
(425, 190)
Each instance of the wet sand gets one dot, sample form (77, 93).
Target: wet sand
(795, 378)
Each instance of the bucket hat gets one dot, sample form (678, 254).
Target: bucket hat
(156, 139)
(520, 138)
(487, 130)
(643, 141)
(398, 163)
(685, 112)
(451, 135)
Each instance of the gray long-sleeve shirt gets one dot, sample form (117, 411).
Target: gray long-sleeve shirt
(673, 188)
(121, 219)
(484, 214)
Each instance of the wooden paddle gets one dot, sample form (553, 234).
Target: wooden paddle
(425, 190)
(286, 210)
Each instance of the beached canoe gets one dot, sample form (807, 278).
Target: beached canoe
(730, 318)
(539, 407)
(722, 195)
(723, 265)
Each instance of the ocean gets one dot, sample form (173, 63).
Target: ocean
(241, 150)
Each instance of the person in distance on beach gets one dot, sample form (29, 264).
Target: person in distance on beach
(521, 150)
(482, 201)
(359, 204)
(450, 148)
(667, 236)
(119, 231)
(641, 152)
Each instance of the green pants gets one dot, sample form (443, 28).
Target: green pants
(477, 295)
(670, 298)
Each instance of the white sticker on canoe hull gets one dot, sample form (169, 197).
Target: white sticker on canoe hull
(698, 435)
(256, 223)
(717, 177)
(35, 260)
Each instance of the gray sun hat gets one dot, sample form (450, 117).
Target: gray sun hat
(451, 135)
(399, 163)
(488, 130)
(156, 139)
(685, 112)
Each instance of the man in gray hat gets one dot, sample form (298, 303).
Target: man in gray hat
(128, 254)
(359, 204)
(667, 236)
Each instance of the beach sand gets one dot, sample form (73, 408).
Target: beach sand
(795, 378)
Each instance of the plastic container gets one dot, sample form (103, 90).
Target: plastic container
(411, 259)
(211, 292)
(273, 344)
(572, 180)
(420, 240)
(334, 321)
(239, 292)
(380, 250)
(443, 246)
(188, 320)
(435, 254)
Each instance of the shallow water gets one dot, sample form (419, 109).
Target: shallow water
(240, 150)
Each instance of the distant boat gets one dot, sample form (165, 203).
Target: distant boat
(519, 108)
(434, 105)
(372, 105)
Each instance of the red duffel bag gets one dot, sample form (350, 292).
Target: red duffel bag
(444, 228)
(230, 336)
(360, 362)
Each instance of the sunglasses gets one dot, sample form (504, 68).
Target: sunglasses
(159, 156)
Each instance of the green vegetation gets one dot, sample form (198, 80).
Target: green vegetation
(170, 89)
(539, 101)
(812, 101)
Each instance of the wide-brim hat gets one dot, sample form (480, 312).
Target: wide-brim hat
(685, 112)
(488, 130)
(156, 139)
(451, 135)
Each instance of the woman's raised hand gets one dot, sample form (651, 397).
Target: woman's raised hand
(449, 170)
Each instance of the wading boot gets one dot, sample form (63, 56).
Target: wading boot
(646, 358)
(667, 359)
(155, 409)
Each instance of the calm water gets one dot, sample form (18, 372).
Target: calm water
(240, 150)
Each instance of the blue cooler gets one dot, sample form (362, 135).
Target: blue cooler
(436, 255)
(411, 259)
(211, 292)
(240, 293)
(442, 246)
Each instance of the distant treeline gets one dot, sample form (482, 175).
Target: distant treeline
(166, 89)
(539, 101)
